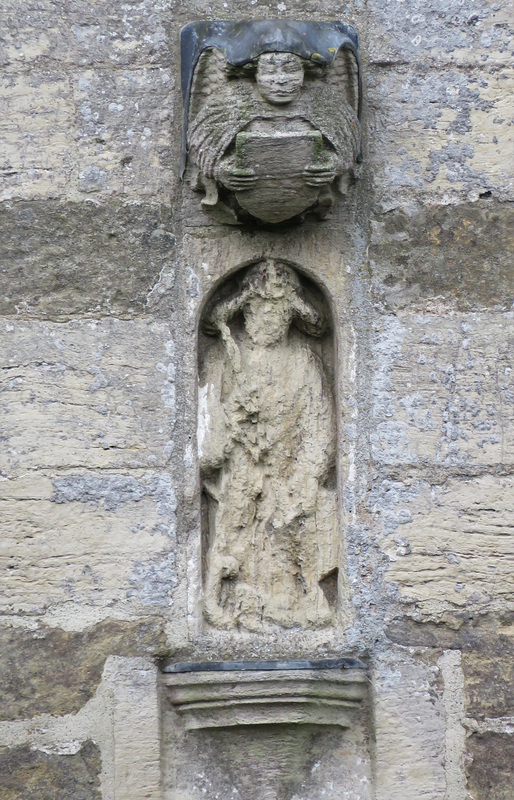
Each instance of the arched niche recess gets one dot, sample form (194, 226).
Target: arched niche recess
(267, 447)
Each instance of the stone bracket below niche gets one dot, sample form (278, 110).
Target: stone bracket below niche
(266, 693)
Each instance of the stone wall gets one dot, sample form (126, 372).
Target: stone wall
(106, 263)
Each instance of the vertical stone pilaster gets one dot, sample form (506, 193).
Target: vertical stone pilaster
(455, 736)
(136, 728)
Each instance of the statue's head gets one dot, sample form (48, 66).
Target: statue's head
(270, 280)
(270, 299)
(279, 77)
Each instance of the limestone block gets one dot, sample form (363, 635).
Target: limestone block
(92, 133)
(89, 130)
(450, 546)
(83, 553)
(48, 670)
(83, 404)
(443, 391)
(63, 260)
(439, 32)
(469, 633)
(488, 665)
(86, 395)
(36, 152)
(449, 664)
(442, 135)
(80, 33)
(490, 770)
(459, 255)
(307, 10)
(409, 729)
(122, 133)
(27, 774)
(136, 729)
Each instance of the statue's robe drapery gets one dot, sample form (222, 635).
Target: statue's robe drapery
(267, 451)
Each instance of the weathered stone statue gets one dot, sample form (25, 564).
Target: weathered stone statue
(272, 115)
(267, 449)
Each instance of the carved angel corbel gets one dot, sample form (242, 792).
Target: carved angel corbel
(271, 116)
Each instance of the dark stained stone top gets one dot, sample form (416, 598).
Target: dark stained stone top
(226, 666)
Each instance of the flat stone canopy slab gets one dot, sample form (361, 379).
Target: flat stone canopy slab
(309, 695)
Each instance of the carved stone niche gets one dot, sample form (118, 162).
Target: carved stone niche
(267, 447)
(271, 116)
(256, 730)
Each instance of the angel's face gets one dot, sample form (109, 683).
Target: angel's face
(279, 77)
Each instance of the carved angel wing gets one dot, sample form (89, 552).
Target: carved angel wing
(214, 112)
(220, 106)
(342, 77)
(342, 82)
(209, 80)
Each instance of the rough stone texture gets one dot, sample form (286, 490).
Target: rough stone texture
(267, 456)
(449, 546)
(446, 141)
(488, 668)
(136, 730)
(490, 770)
(106, 263)
(409, 746)
(27, 774)
(60, 261)
(35, 666)
(86, 555)
(457, 254)
(106, 387)
(88, 504)
(443, 392)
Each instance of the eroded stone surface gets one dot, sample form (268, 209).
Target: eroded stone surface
(459, 255)
(409, 727)
(52, 671)
(489, 676)
(65, 260)
(267, 456)
(444, 134)
(27, 774)
(443, 393)
(449, 546)
(107, 387)
(490, 771)
(88, 542)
